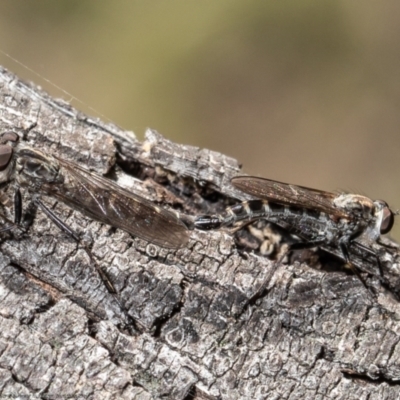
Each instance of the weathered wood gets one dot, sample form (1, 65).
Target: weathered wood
(208, 320)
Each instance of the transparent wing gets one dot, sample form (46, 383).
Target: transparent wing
(286, 194)
(105, 201)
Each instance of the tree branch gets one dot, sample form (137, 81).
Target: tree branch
(207, 321)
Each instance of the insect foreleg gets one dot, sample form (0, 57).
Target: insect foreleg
(370, 252)
(346, 255)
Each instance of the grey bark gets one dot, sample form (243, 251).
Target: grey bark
(209, 321)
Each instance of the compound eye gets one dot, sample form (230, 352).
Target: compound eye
(5, 156)
(9, 136)
(387, 220)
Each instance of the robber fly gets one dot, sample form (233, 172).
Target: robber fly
(91, 194)
(314, 216)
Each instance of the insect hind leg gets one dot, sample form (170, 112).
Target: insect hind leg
(65, 228)
(343, 245)
(57, 221)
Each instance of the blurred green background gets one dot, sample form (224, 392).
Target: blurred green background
(303, 92)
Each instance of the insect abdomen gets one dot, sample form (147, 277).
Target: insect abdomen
(247, 210)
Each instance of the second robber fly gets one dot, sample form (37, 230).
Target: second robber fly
(95, 196)
(315, 216)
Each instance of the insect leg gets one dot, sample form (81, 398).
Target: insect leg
(8, 227)
(29, 215)
(17, 213)
(275, 265)
(372, 253)
(305, 245)
(65, 228)
(345, 251)
(17, 206)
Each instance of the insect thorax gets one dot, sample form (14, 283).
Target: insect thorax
(33, 168)
(314, 226)
(356, 205)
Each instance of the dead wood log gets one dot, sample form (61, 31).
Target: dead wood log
(206, 321)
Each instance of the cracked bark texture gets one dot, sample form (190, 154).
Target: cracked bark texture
(208, 320)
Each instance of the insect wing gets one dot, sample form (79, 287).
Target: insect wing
(287, 194)
(107, 202)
